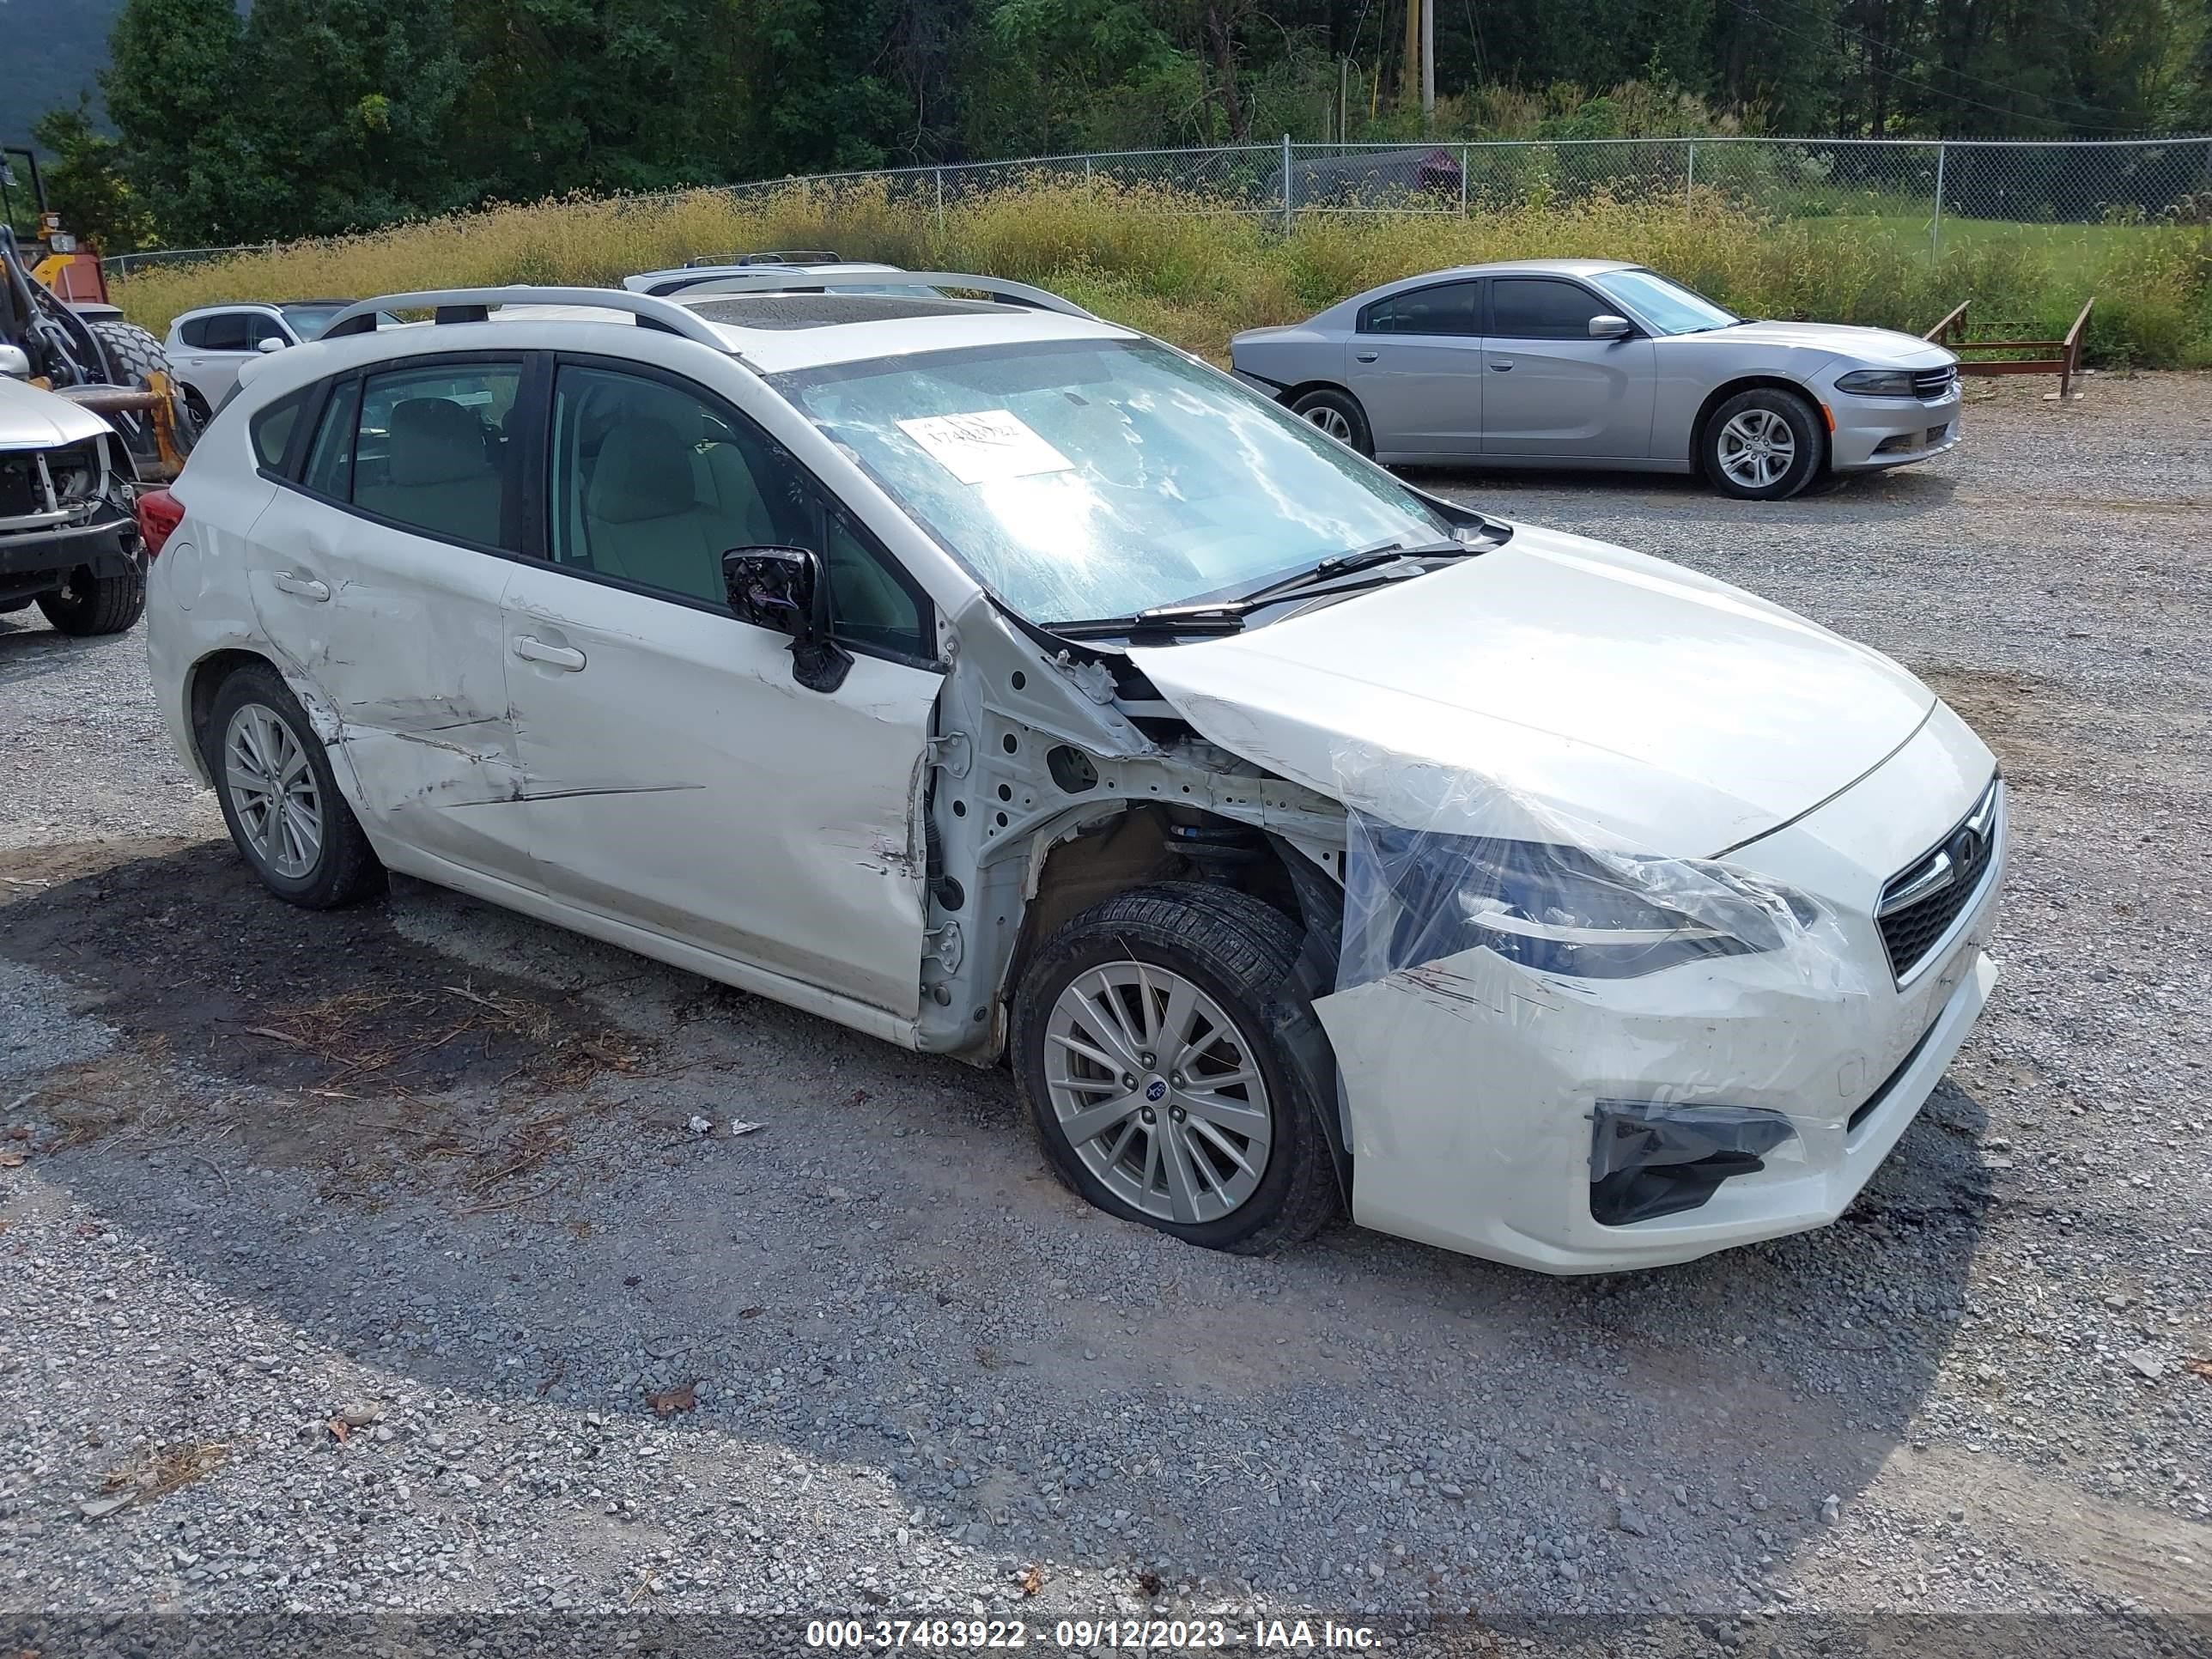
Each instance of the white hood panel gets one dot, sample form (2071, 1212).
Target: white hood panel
(32, 418)
(1629, 697)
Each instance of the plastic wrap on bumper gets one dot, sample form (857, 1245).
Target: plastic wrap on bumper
(1562, 1053)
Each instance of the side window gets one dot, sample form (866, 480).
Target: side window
(1540, 308)
(1447, 308)
(329, 462)
(193, 332)
(651, 484)
(227, 330)
(430, 450)
(266, 327)
(271, 429)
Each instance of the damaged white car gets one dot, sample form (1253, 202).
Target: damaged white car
(1005, 683)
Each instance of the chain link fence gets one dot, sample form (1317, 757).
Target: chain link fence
(1908, 183)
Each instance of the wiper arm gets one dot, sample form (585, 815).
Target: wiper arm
(1328, 569)
(1207, 621)
(1227, 616)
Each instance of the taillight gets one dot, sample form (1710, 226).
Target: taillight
(159, 513)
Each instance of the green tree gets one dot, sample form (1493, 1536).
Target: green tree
(176, 96)
(349, 125)
(85, 182)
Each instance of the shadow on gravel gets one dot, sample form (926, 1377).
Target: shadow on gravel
(27, 644)
(887, 1266)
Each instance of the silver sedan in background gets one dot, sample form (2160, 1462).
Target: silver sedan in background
(1601, 364)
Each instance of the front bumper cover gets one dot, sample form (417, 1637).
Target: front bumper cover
(1880, 432)
(1591, 1125)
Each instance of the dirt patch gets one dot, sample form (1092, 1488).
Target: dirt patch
(322, 1039)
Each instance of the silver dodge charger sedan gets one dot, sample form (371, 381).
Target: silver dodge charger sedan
(1601, 364)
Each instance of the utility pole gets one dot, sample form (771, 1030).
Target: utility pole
(1428, 67)
(1409, 85)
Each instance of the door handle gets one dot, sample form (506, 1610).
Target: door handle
(1503, 369)
(531, 649)
(305, 586)
(1364, 356)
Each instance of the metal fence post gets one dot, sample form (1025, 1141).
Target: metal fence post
(1690, 177)
(1466, 160)
(1286, 183)
(1935, 225)
(940, 201)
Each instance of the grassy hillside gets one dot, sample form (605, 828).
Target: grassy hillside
(1145, 257)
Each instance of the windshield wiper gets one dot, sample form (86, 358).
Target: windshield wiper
(1227, 616)
(1327, 570)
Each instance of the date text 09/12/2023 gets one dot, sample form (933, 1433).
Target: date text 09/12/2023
(1151, 1635)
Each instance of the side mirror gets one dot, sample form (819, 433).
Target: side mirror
(786, 590)
(268, 343)
(1606, 326)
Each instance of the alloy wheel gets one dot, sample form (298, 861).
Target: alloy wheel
(1158, 1092)
(272, 790)
(1758, 448)
(1331, 420)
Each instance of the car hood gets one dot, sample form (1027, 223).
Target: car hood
(34, 419)
(1881, 348)
(1583, 692)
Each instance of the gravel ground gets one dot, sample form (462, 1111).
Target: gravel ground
(367, 1261)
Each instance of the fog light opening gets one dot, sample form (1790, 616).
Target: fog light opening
(1649, 1159)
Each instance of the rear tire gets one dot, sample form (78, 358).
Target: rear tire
(136, 357)
(1218, 1096)
(90, 604)
(1338, 413)
(279, 797)
(1763, 444)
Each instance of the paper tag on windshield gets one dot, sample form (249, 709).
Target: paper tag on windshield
(986, 445)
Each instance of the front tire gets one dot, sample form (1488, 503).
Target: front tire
(1337, 413)
(88, 605)
(1763, 444)
(279, 797)
(1144, 1049)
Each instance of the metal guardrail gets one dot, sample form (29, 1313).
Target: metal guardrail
(1919, 182)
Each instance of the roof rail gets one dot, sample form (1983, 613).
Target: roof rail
(766, 279)
(474, 305)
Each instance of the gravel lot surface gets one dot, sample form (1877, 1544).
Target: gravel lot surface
(367, 1261)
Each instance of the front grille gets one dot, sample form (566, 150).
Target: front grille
(1932, 383)
(22, 492)
(1924, 899)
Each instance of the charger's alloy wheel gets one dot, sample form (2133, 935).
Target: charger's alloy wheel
(272, 790)
(1158, 1092)
(1331, 420)
(1757, 448)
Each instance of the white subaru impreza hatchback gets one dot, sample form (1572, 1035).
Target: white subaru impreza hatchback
(1001, 681)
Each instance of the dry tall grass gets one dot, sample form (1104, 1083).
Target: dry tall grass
(1155, 261)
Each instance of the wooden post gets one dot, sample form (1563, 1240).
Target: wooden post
(2073, 360)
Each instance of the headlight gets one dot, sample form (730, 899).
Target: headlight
(1877, 382)
(1560, 909)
